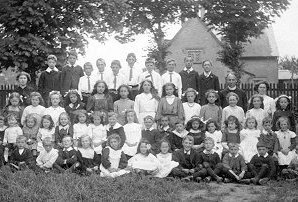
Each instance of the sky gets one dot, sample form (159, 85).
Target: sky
(285, 30)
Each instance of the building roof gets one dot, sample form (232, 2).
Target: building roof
(262, 46)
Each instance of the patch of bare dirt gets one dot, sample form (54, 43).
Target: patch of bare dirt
(225, 193)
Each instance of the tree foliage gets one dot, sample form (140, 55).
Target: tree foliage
(31, 29)
(154, 17)
(237, 21)
(289, 63)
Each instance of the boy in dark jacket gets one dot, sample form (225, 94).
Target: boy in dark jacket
(261, 167)
(21, 157)
(188, 161)
(71, 74)
(49, 79)
(210, 162)
(67, 157)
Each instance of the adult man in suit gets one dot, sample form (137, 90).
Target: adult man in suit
(232, 87)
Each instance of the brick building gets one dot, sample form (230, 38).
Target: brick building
(196, 39)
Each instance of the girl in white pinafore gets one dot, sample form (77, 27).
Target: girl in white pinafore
(286, 140)
(133, 133)
(165, 159)
(249, 139)
(146, 102)
(97, 132)
(113, 159)
(214, 132)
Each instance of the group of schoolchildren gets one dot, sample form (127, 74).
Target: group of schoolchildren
(115, 123)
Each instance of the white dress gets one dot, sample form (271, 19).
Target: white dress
(32, 110)
(145, 105)
(269, 104)
(98, 134)
(143, 162)
(54, 112)
(42, 134)
(79, 129)
(133, 133)
(114, 158)
(259, 114)
(284, 138)
(235, 111)
(11, 134)
(191, 110)
(248, 145)
(217, 137)
(166, 164)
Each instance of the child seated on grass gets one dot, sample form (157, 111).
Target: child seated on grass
(188, 160)
(261, 167)
(234, 166)
(47, 156)
(113, 159)
(88, 159)
(210, 162)
(67, 156)
(21, 158)
(144, 162)
(292, 171)
(165, 158)
(269, 138)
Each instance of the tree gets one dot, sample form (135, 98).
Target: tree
(291, 64)
(237, 21)
(154, 16)
(30, 29)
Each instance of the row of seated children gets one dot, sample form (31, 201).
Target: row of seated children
(184, 163)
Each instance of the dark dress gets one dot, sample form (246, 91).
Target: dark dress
(279, 113)
(60, 133)
(153, 137)
(70, 110)
(25, 93)
(88, 162)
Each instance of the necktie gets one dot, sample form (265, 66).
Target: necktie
(151, 78)
(130, 74)
(89, 85)
(171, 77)
(115, 81)
(101, 76)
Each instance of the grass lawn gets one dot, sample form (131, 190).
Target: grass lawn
(26, 186)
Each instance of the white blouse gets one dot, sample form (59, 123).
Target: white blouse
(145, 103)
(32, 110)
(54, 112)
(79, 129)
(190, 110)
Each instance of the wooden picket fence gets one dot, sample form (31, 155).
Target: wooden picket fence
(274, 91)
